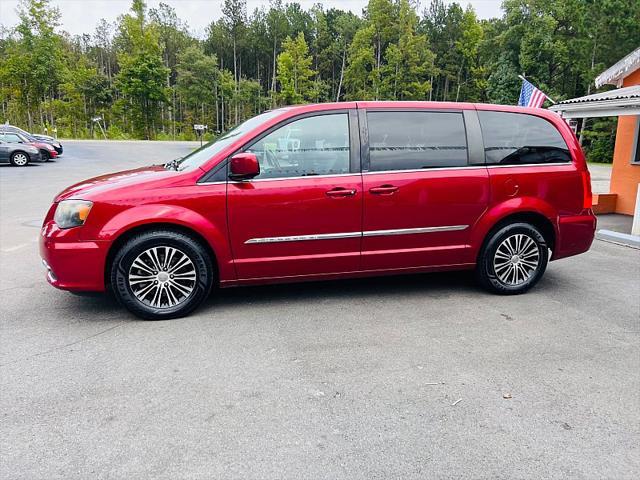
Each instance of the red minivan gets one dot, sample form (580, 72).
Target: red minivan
(330, 191)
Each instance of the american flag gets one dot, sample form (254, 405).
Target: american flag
(530, 96)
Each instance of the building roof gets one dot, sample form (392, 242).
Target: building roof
(616, 73)
(621, 101)
(619, 93)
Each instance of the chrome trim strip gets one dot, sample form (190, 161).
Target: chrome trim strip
(301, 238)
(413, 231)
(369, 233)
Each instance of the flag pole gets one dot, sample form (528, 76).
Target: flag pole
(521, 77)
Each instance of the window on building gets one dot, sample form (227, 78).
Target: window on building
(515, 139)
(416, 140)
(635, 157)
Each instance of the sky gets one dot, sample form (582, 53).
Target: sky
(82, 16)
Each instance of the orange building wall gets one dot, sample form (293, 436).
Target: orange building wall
(625, 176)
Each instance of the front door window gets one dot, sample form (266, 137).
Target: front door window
(310, 146)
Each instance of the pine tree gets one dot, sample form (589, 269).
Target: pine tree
(294, 71)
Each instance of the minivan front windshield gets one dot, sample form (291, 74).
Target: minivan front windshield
(198, 157)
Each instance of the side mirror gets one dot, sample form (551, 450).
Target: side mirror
(244, 166)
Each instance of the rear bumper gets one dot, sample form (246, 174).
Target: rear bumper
(575, 234)
(70, 263)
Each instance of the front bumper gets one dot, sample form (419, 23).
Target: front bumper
(71, 263)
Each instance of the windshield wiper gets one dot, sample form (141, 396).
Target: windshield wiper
(172, 164)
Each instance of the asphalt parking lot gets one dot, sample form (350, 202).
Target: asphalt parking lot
(381, 378)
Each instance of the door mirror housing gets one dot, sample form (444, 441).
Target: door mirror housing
(244, 166)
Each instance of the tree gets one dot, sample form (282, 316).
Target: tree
(235, 19)
(294, 71)
(34, 67)
(198, 77)
(277, 27)
(142, 73)
(147, 75)
(409, 62)
(345, 25)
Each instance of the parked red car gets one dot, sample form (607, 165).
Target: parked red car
(331, 191)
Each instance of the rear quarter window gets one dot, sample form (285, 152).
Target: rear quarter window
(521, 139)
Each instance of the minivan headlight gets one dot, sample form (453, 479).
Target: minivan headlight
(72, 213)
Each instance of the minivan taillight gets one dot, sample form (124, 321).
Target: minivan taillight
(586, 189)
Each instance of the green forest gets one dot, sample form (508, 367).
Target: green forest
(146, 76)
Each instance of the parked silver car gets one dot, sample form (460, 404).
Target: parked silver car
(18, 154)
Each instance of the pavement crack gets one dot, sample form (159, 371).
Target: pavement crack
(61, 347)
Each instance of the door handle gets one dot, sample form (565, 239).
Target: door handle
(384, 190)
(341, 192)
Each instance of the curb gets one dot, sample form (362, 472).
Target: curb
(624, 239)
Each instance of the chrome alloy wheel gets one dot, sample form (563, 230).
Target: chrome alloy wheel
(162, 277)
(516, 259)
(20, 159)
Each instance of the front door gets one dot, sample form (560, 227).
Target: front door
(302, 215)
(421, 195)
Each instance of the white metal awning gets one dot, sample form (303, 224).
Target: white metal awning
(622, 101)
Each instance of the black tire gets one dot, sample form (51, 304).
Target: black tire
(19, 159)
(506, 276)
(163, 241)
(45, 155)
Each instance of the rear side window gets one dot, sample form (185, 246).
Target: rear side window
(415, 140)
(521, 139)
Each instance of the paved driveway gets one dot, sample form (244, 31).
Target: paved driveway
(600, 177)
(381, 378)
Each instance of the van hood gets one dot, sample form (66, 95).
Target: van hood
(143, 178)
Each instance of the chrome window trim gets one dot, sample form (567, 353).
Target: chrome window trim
(423, 170)
(281, 178)
(220, 182)
(554, 164)
(368, 233)
(301, 177)
(468, 167)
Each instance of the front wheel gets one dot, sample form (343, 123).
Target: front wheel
(19, 159)
(513, 259)
(46, 156)
(161, 274)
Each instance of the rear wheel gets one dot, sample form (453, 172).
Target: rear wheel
(19, 159)
(513, 259)
(161, 274)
